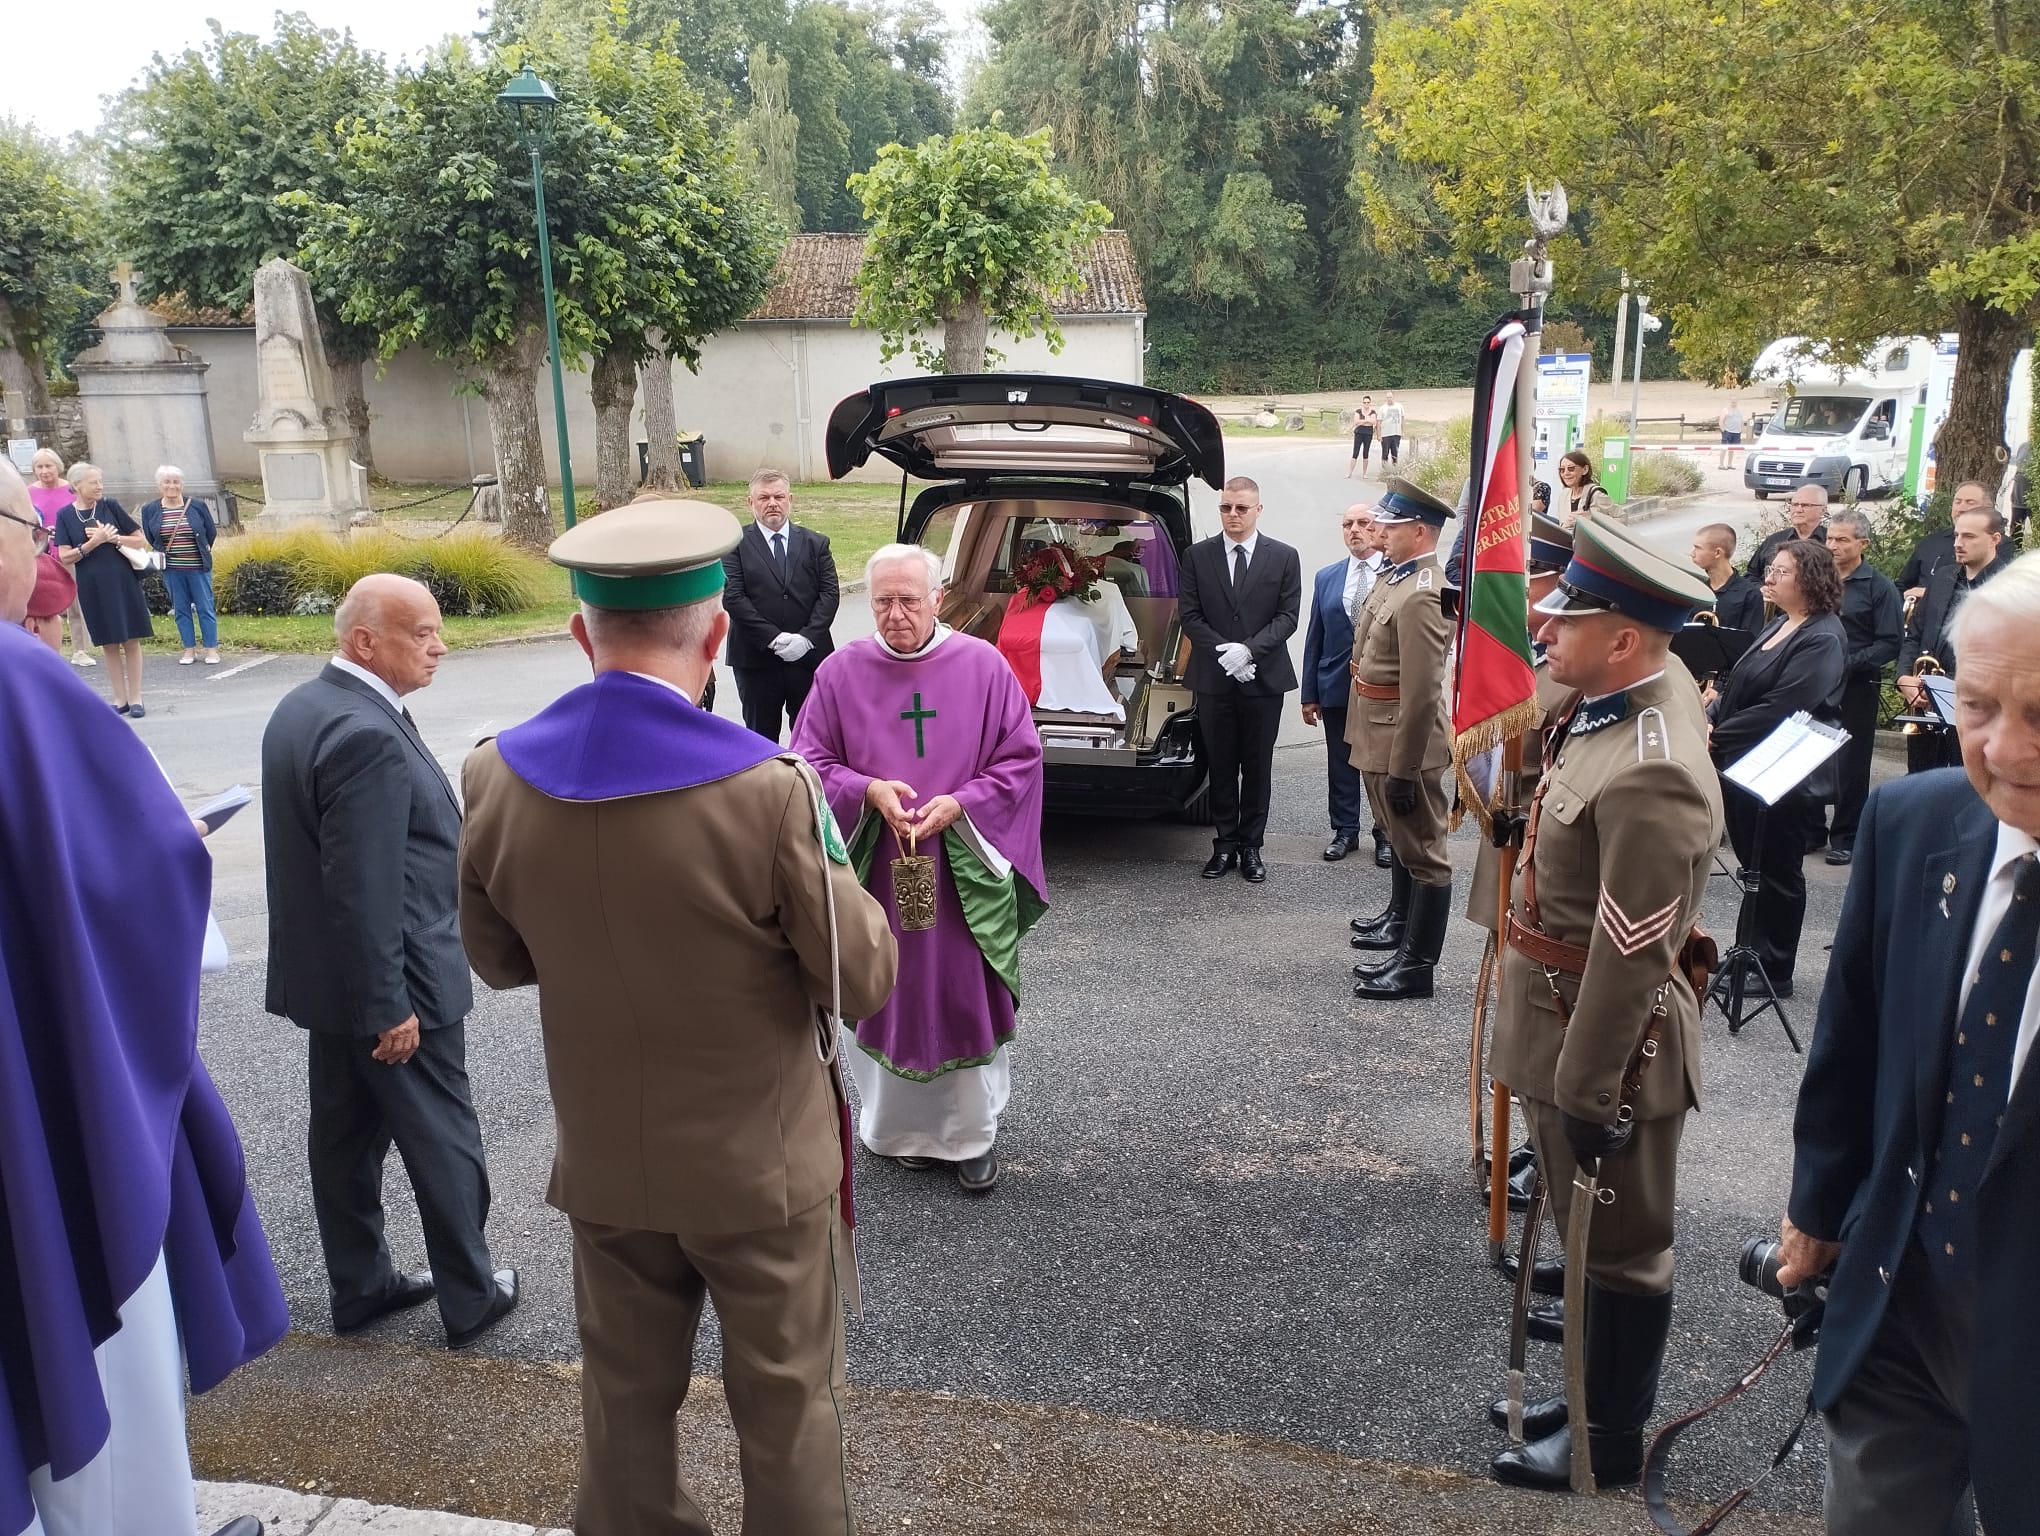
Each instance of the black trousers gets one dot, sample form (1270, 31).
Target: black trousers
(359, 1107)
(1342, 779)
(772, 696)
(1781, 895)
(1239, 747)
(1860, 700)
(1932, 749)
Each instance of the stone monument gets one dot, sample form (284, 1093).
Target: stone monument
(299, 434)
(143, 400)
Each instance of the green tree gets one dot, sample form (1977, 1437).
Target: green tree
(48, 262)
(1878, 175)
(969, 232)
(204, 151)
(770, 134)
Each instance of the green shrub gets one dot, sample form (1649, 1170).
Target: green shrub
(308, 571)
(1664, 474)
(1443, 465)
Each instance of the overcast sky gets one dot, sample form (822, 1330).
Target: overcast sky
(68, 69)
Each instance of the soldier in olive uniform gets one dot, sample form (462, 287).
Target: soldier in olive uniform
(1401, 740)
(1599, 1032)
(1547, 551)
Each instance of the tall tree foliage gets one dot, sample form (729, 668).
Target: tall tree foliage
(49, 261)
(204, 150)
(1877, 175)
(770, 134)
(644, 230)
(1223, 137)
(969, 232)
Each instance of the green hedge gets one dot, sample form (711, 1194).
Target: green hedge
(308, 571)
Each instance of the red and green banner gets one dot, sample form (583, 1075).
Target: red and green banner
(1494, 685)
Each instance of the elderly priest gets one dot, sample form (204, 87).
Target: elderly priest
(927, 745)
(674, 885)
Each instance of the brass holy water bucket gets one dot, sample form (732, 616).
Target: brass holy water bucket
(913, 883)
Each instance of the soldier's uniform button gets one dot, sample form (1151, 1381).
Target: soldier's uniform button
(1600, 1098)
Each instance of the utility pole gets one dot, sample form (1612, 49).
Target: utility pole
(1621, 333)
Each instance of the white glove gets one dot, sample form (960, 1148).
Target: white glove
(1246, 676)
(1235, 658)
(791, 647)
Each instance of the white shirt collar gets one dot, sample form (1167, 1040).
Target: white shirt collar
(784, 530)
(1247, 544)
(2012, 845)
(942, 633)
(663, 683)
(354, 669)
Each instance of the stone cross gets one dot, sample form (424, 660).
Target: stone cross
(124, 278)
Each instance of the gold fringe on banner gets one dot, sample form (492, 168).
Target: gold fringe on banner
(1484, 736)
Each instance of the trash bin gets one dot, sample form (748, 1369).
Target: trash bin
(692, 463)
(1615, 467)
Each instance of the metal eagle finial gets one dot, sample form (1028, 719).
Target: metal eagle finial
(1548, 210)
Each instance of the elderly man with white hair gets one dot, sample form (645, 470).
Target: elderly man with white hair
(927, 749)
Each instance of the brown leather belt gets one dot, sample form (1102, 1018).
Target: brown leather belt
(1545, 950)
(1368, 690)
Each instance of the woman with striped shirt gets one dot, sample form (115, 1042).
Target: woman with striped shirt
(184, 531)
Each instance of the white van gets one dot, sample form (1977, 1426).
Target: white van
(1849, 429)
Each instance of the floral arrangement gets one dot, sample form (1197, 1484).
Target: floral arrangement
(1055, 571)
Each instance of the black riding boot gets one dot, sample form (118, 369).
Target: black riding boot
(1386, 930)
(1409, 975)
(1625, 1353)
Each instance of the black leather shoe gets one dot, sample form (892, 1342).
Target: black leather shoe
(405, 1291)
(1221, 863)
(979, 1174)
(1625, 1348)
(1541, 1418)
(1384, 856)
(1840, 855)
(1252, 870)
(505, 1302)
(243, 1525)
(1520, 1185)
(1338, 848)
(1544, 1321)
(1548, 1279)
(1523, 1157)
(916, 1163)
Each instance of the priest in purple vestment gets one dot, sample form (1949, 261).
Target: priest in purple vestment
(926, 745)
(131, 1257)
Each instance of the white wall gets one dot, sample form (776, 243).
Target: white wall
(763, 396)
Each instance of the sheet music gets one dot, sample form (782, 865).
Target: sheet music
(1940, 695)
(1778, 764)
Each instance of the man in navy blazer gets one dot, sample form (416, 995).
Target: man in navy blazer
(779, 588)
(1916, 1174)
(1337, 592)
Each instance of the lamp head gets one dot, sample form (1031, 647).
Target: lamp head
(531, 104)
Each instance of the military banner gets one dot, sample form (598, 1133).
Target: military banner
(1494, 685)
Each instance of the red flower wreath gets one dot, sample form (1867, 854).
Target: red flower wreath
(1055, 571)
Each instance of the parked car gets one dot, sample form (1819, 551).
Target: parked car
(1021, 463)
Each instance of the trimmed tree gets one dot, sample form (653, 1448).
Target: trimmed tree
(204, 151)
(1880, 178)
(969, 232)
(47, 267)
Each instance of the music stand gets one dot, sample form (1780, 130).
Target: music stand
(1708, 650)
(1769, 771)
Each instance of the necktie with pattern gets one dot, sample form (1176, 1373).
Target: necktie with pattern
(1980, 1081)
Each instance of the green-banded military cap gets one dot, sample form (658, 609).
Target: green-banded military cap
(1612, 571)
(657, 552)
(1403, 502)
(1549, 549)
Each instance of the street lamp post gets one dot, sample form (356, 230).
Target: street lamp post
(1646, 322)
(531, 104)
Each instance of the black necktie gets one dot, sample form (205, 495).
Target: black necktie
(406, 710)
(779, 552)
(1980, 1081)
(1239, 564)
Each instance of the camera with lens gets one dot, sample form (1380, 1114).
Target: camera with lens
(1803, 1303)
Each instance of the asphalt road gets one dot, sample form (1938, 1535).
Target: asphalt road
(1234, 1200)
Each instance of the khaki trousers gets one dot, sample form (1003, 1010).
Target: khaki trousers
(1419, 839)
(1629, 1238)
(638, 1298)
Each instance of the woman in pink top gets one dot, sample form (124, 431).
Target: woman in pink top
(50, 495)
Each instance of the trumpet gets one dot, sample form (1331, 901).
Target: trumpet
(1924, 666)
(1906, 618)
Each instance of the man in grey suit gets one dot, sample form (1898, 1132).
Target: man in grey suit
(362, 835)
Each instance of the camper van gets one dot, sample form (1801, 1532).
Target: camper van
(1847, 428)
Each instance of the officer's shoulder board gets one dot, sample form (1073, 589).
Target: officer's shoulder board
(1653, 737)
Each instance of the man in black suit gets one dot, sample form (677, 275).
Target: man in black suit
(1808, 513)
(1916, 1177)
(361, 842)
(780, 592)
(1978, 535)
(1738, 601)
(1241, 594)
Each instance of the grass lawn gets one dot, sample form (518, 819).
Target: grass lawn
(857, 517)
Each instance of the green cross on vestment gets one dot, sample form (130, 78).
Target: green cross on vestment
(917, 715)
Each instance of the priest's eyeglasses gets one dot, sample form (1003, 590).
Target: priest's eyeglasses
(904, 604)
